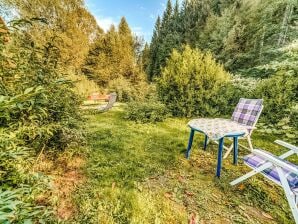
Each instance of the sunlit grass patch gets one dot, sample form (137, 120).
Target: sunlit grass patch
(137, 173)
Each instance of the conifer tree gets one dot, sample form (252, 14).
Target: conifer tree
(112, 56)
(145, 57)
(151, 70)
(241, 34)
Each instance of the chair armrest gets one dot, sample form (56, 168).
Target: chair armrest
(275, 161)
(287, 145)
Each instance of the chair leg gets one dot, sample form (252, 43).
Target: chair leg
(289, 194)
(249, 143)
(229, 150)
(219, 156)
(192, 132)
(205, 142)
(235, 157)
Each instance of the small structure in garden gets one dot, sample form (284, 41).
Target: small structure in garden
(112, 100)
(97, 97)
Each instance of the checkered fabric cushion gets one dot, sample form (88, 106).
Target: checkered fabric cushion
(247, 111)
(254, 161)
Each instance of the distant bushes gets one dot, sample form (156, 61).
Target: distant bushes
(83, 86)
(191, 83)
(280, 93)
(280, 114)
(130, 91)
(146, 111)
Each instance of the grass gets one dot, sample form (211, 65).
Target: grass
(137, 173)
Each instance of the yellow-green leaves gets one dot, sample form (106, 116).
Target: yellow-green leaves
(190, 81)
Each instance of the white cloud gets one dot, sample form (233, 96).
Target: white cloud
(140, 33)
(106, 22)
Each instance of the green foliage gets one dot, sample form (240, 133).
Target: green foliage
(280, 94)
(149, 111)
(14, 210)
(128, 91)
(112, 56)
(18, 187)
(190, 83)
(280, 112)
(39, 111)
(69, 26)
(241, 34)
(84, 87)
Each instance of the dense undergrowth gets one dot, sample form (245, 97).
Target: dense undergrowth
(38, 113)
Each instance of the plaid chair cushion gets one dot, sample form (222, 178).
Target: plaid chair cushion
(247, 111)
(255, 161)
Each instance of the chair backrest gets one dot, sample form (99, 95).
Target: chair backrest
(248, 111)
(112, 101)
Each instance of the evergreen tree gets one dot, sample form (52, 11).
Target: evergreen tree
(241, 34)
(145, 57)
(126, 50)
(112, 56)
(151, 70)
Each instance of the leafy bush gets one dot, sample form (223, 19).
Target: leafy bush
(128, 91)
(83, 86)
(190, 83)
(280, 95)
(38, 110)
(146, 111)
(17, 195)
(230, 93)
(36, 99)
(280, 114)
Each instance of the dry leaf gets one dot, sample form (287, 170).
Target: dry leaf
(113, 185)
(193, 219)
(241, 187)
(181, 179)
(188, 193)
(168, 195)
(267, 215)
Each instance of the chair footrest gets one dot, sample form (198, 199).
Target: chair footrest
(255, 161)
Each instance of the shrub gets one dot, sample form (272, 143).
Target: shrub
(280, 112)
(146, 111)
(83, 86)
(190, 83)
(128, 91)
(36, 99)
(280, 94)
(229, 94)
(38, 110)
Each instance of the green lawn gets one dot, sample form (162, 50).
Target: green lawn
(137, 173)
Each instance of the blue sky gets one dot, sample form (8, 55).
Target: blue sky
(140, 14)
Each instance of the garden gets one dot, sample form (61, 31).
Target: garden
(94, 123)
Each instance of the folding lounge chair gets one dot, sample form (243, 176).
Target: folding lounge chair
(247, 113)
(276, 169)
(112, 101)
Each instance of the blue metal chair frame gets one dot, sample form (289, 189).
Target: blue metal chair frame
(235, 137)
